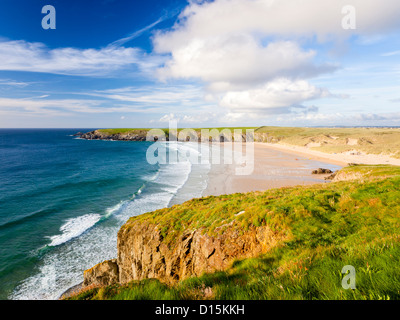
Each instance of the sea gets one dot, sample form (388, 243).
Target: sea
(63, 200)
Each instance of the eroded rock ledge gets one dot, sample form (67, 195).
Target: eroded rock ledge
(143, 253)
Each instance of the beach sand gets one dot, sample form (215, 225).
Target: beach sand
(344, 159)
(273, 168)
(278, 165)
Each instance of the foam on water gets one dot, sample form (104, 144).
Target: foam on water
(92, 238)
(73, 228)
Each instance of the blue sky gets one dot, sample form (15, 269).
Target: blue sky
(117, 63)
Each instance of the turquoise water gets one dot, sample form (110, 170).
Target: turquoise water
(63, 199)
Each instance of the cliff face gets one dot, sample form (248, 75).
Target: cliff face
(143, 253)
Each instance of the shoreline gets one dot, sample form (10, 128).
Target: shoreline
(291, 168)
(273, 168)
(339, 158)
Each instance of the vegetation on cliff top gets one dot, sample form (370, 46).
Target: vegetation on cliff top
(328, 226)
(330, 140)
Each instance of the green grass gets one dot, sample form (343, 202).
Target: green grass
(326, 227)
(143, 132)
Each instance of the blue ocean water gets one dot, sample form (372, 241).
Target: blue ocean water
(63, 199)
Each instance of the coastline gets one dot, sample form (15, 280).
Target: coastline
(273, 168)
(281, 165)
(338, 158)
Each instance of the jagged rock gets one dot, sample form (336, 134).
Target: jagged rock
(143, 253)
(322, 171)
(102, 274)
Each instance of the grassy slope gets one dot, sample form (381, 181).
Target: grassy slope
(137, 130)
(328, 226)
(334, 140)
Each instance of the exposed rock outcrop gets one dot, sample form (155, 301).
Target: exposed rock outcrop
(102, 274)
(143, 253)
(98, 135)
(322, 171)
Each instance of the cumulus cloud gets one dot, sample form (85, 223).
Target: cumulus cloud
(279, 17)
(281, 93)
(240, 61)
(249, 52)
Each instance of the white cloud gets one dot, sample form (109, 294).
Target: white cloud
(9, 82)
(42, 106)
(186, 119)
(36, 57)
(168, 118)
(349, 119)
(279, 17)
(281, 93)
(240, 61)
(249, 54)
(153, 95)
(389, 54)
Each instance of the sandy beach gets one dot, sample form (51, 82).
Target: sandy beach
(343, 159)
(273, 168)
(277, 165)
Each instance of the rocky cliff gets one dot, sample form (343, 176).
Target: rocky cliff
(99, 135)
(143, 253)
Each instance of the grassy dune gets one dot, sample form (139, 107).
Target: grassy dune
(338, 140)
(326, 227)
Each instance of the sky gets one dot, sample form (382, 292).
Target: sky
(130, 64)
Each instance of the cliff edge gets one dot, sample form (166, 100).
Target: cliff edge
(288, 243)
(144, 253)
